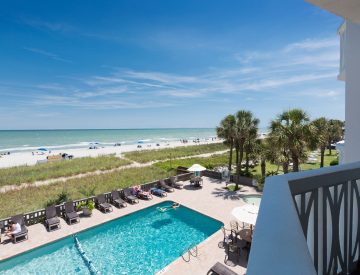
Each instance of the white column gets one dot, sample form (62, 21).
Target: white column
(352, 94)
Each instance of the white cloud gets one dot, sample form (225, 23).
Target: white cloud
(313, 44)
(47, 54)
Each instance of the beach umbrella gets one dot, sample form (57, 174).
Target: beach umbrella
(140, 141)
(197, 168)
(42, 149)
(247, 213)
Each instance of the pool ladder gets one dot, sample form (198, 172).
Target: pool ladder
(89, 263)
(192, 250)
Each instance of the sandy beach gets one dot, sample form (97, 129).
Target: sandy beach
(27, 158)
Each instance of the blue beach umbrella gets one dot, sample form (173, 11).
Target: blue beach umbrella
(140, 141)
(42, 149)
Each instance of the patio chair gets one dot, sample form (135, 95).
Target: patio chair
(235, 228)
(162, 185)
(23, 234)
(52, 222)
(228, 238)
(116, 200)
(175, 183)
(158, 192)
(102, 205)
(221, 269)
(71, 216)
(126, 195)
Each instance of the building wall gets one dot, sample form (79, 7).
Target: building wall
(352, 94)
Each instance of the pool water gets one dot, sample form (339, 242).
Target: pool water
(143, 242)
(252, 199)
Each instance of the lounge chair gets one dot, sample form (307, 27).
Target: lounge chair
(23, 234)
(70, 214)
(162, 185)
(102, 205)
(116, 200)
(52, 222)
(221, 269)
(175, 183)
(126, 194)
(141, 194)
(158, 192)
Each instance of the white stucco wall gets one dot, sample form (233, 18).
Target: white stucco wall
(352, 94)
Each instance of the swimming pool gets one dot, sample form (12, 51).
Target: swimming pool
(143, 242)
(252, 199)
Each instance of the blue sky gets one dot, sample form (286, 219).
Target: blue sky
(144, 64)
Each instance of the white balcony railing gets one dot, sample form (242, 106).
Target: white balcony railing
(308, 223)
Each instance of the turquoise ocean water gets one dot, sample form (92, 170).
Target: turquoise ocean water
(29, 140)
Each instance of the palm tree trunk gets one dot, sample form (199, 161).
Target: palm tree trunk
(322, 153)
(247, 157)
(263, 168)
(230, 156)
(237, 167)
(295, 164)
(285, 166)
(329, 147)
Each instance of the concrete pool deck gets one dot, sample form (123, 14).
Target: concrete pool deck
(212, 200)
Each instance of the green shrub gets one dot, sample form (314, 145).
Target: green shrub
(61, 198)
(334, 162)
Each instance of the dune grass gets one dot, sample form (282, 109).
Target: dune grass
(209, 162)
(44, 171)
(33, 198)
(177, 152)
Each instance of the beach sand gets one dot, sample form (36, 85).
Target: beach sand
(27, 158)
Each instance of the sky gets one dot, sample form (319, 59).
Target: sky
(159, 63)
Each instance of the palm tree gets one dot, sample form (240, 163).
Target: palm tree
(335, 132)
(245, 123)
(322, 136)
(226, 130)
(251, 140)
(293, 130)
(278, 147)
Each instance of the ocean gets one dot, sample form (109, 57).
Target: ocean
(30, 140)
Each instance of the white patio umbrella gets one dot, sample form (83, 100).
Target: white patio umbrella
(247, 213)
(196, 168)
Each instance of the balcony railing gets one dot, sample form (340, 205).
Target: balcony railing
(309, 223)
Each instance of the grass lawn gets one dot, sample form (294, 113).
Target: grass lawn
(21, 201)
(21, 174)
(185, 151)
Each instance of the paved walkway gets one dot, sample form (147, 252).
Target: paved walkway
(212, 200)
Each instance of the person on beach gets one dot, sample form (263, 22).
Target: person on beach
(13, 228)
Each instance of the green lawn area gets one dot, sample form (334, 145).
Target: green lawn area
(21, 174)
(185, 151)
(32, 198)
